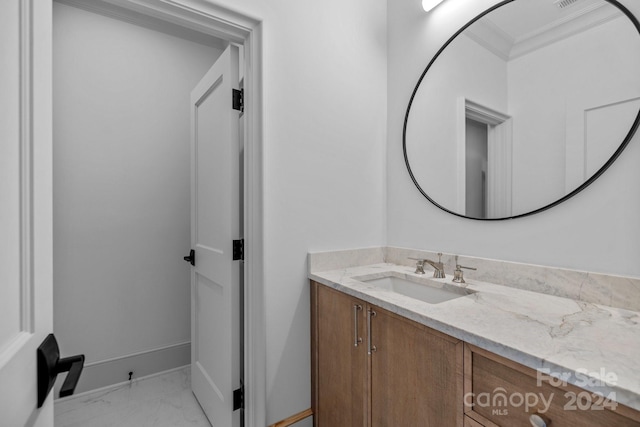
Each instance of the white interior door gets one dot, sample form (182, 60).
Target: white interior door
(25, 207)
(215, 302)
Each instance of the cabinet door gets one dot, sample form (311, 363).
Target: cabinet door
(416, 374)
(340, 359)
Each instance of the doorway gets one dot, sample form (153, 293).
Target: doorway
(484, 161)
(476, 169)
(106, 240)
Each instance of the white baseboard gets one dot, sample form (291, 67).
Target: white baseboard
(113, 372)
(118, 385)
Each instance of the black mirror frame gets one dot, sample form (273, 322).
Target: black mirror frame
(584, 185)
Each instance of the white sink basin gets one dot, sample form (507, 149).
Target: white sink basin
(431, 293)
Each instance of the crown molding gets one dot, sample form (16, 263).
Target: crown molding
(492, 38)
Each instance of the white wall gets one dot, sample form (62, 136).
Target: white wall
(547, 83)
(430, 123)
(324, 148)
(121, 187)
(596, 230)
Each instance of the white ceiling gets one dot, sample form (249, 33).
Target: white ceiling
(522, 26)
(521, 17)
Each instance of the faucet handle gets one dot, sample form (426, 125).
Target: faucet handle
(419, 265)
(457, 274)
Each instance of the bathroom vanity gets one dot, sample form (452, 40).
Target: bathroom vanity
(373, 372)
(484, 355)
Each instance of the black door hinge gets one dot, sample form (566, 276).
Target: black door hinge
(238, 398)
(238, 100)
(238, 250)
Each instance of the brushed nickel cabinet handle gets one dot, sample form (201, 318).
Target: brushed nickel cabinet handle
(371, 348)
(356, 339)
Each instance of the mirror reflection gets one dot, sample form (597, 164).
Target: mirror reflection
(524, 106)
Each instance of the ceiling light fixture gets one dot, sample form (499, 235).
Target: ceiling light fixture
(427, 5)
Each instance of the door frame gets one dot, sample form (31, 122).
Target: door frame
(239, 28)
(500, 145)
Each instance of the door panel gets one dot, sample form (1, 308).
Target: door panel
(341, 378)
(25, 207)
(416, 374)
(215, 352)
(10, 174)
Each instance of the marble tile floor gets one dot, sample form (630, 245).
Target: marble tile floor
(164, 400)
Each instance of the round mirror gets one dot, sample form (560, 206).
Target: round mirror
(524, 107)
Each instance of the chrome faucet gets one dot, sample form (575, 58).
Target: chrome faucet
(438, 267)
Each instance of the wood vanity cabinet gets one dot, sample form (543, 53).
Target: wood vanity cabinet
(500, 392)
(413, 375)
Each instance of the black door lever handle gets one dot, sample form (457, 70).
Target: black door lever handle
(191, 259)
(50, 365)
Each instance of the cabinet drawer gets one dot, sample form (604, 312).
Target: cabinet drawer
(499, 392)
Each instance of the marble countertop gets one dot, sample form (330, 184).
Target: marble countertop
(592, 346)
